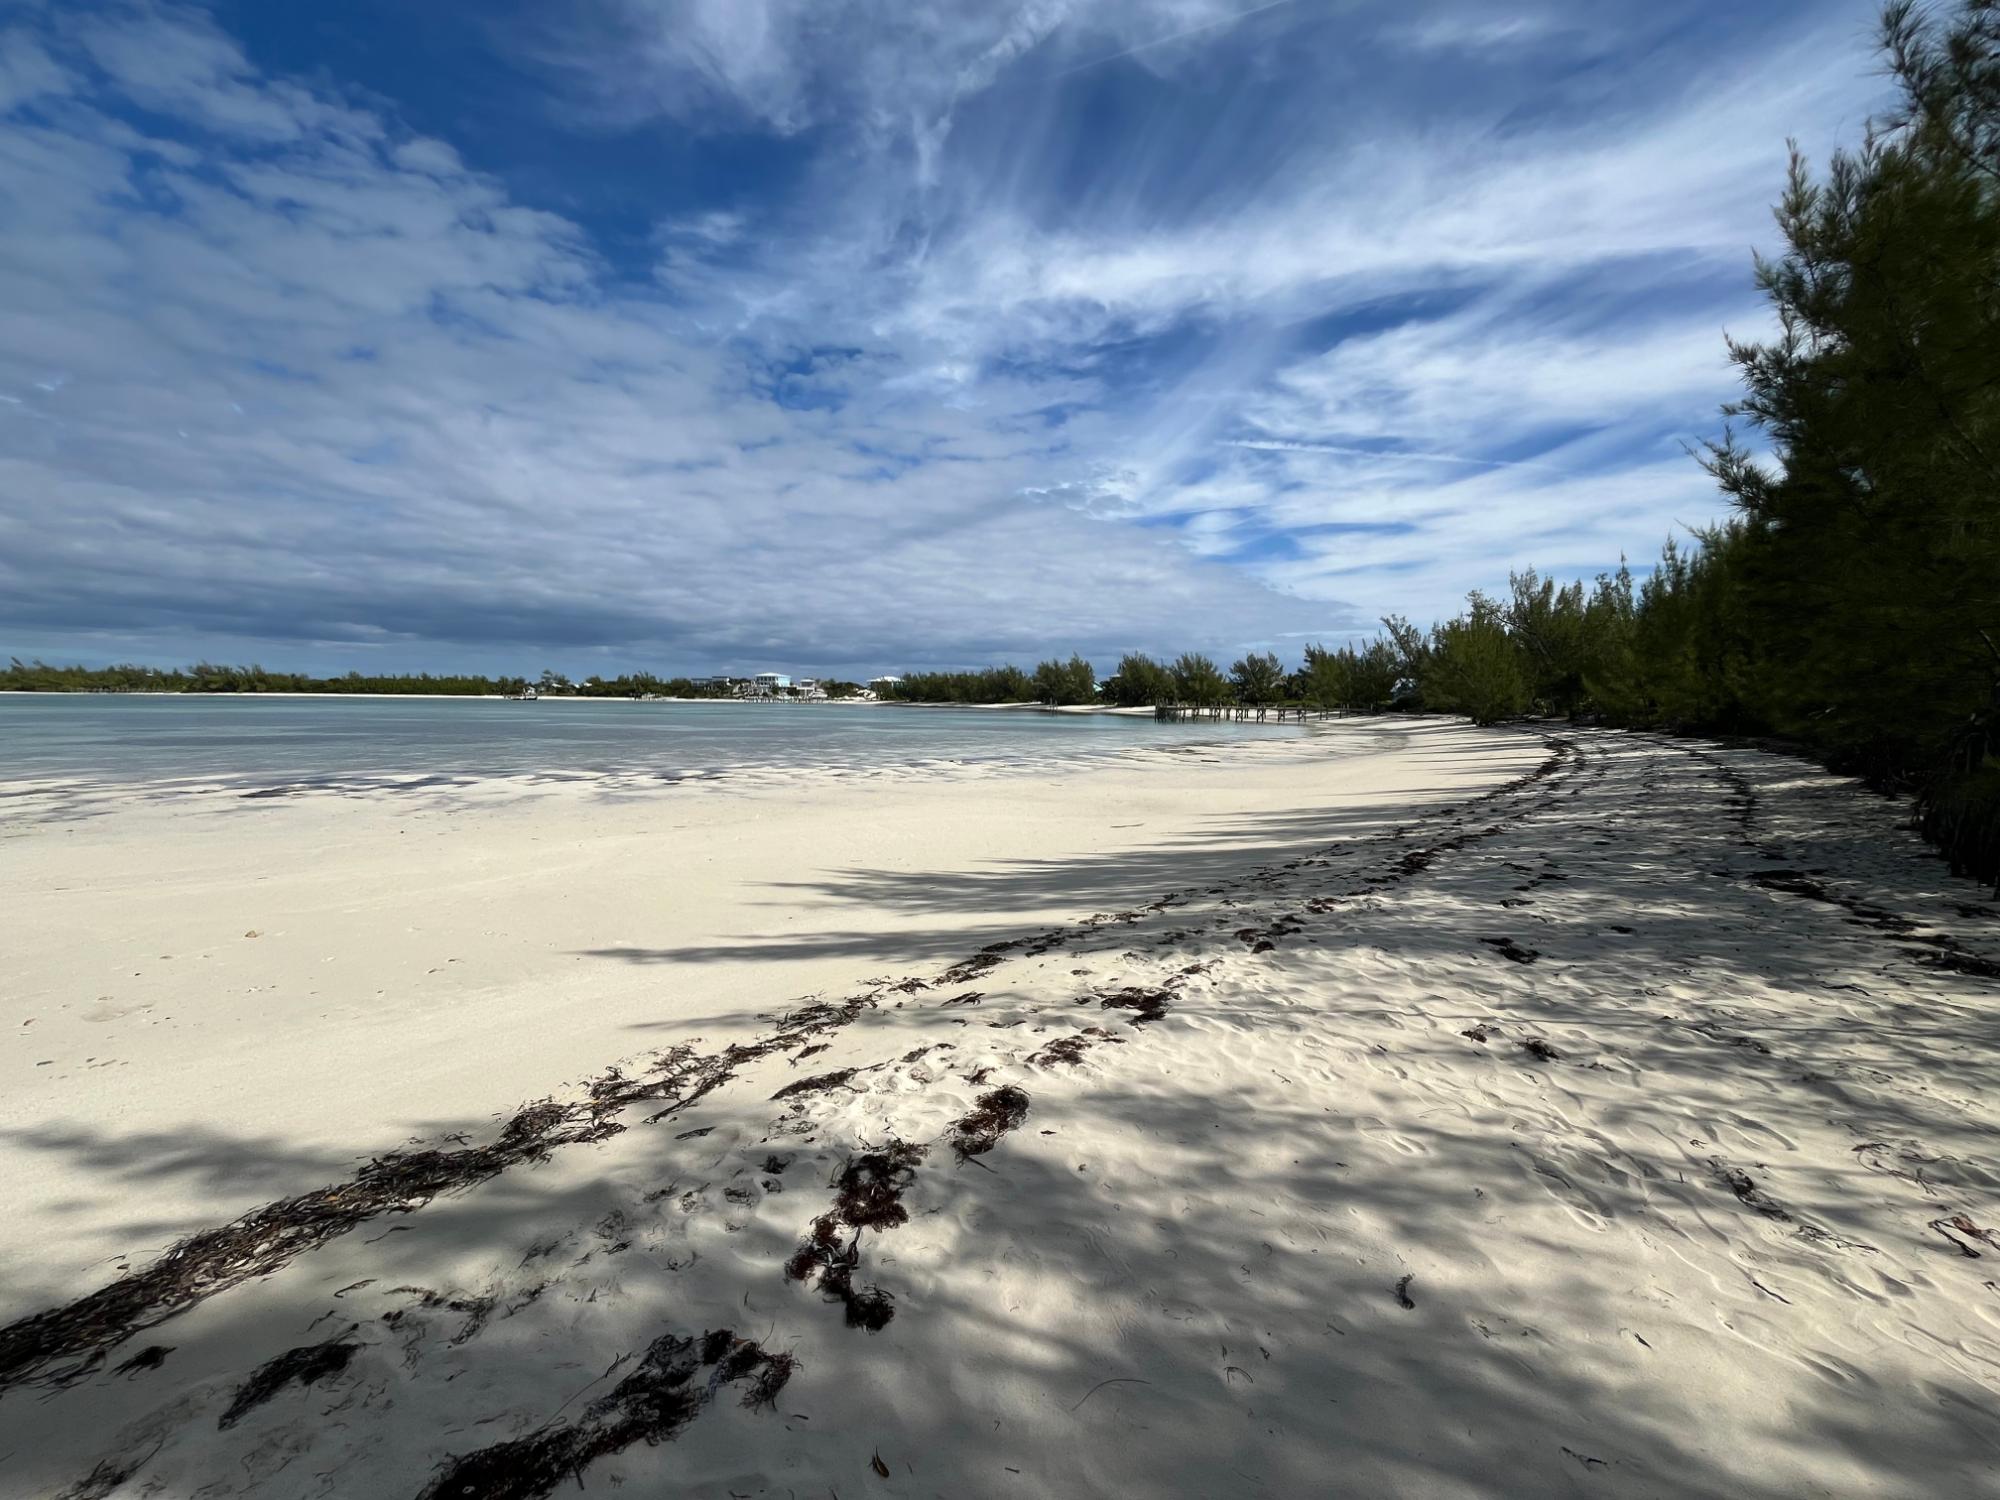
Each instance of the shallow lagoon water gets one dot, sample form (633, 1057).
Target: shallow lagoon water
(251, 741)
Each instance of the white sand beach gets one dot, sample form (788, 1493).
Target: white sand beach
(1411, 1110)
(340, 971)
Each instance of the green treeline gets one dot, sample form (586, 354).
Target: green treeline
(1357, 681)
(1851, 604)
(993, 685)
(206, 677)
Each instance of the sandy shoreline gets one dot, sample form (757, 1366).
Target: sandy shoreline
(345, 969)
(1461, 1114)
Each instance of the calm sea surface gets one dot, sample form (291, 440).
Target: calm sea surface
(254, 741)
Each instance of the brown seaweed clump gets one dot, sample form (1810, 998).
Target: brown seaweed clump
(868, 1194)
(307, 1365)
(992, 1116)
(651, 1405)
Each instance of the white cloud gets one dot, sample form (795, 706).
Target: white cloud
(170, 62)
(347, 390)
(894, 66)
(27, 72)
(1475, 31)
(325, 382)
(1497, 369)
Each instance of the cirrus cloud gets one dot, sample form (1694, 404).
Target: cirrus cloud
(1024, 326)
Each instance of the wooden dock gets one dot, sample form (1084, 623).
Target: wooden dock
(1241, 713)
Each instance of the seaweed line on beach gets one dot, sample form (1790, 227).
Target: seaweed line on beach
(651, 1405)
(1935, 950)
(262, 1241)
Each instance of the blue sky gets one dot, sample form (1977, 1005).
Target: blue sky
(861, 334)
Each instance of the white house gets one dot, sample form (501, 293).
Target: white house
(772, 682)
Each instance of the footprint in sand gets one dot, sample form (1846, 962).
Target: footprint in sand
(106, 1009)
(1561, 1182)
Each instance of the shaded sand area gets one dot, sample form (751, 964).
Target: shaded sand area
(1481, 1114)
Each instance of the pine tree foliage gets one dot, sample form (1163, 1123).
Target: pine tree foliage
(1476, 667)
(1065, 683)
(1139, 682)
(1199, 681)
(1852, 605)
(1257, 678)
(1864, 598)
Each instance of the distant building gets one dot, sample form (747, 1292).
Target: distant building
(772, 682)
(884, 684)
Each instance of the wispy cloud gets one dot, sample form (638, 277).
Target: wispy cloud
(913, 333)
(1386, 455)
(1473, 31)
(1185, 34)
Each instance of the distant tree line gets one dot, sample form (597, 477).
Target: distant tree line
(1359, 682)
(991, 685)
(206, 677)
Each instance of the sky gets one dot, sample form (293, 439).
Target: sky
(863, 335)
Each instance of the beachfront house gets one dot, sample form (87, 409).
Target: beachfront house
(764, 684)
(882, 687)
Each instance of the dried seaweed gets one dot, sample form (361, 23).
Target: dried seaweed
(819, 1083)
(768, 1379)
(1069, 1050)
(1957, 961)
(992, 1116)
(1506, 947)
(970, 969)
(108, 1477)
(1961, 1225)
(1747, 1192)
(1147, 1004)
(80, 1332)
(651, 1405)
(307, 1365)
(868, 1194)
(869, 1191)
(269, 1237)
(149, 1358)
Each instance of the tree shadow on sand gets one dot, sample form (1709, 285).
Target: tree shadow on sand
(1172, 1277)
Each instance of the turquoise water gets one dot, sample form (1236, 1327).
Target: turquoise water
(107, 739)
